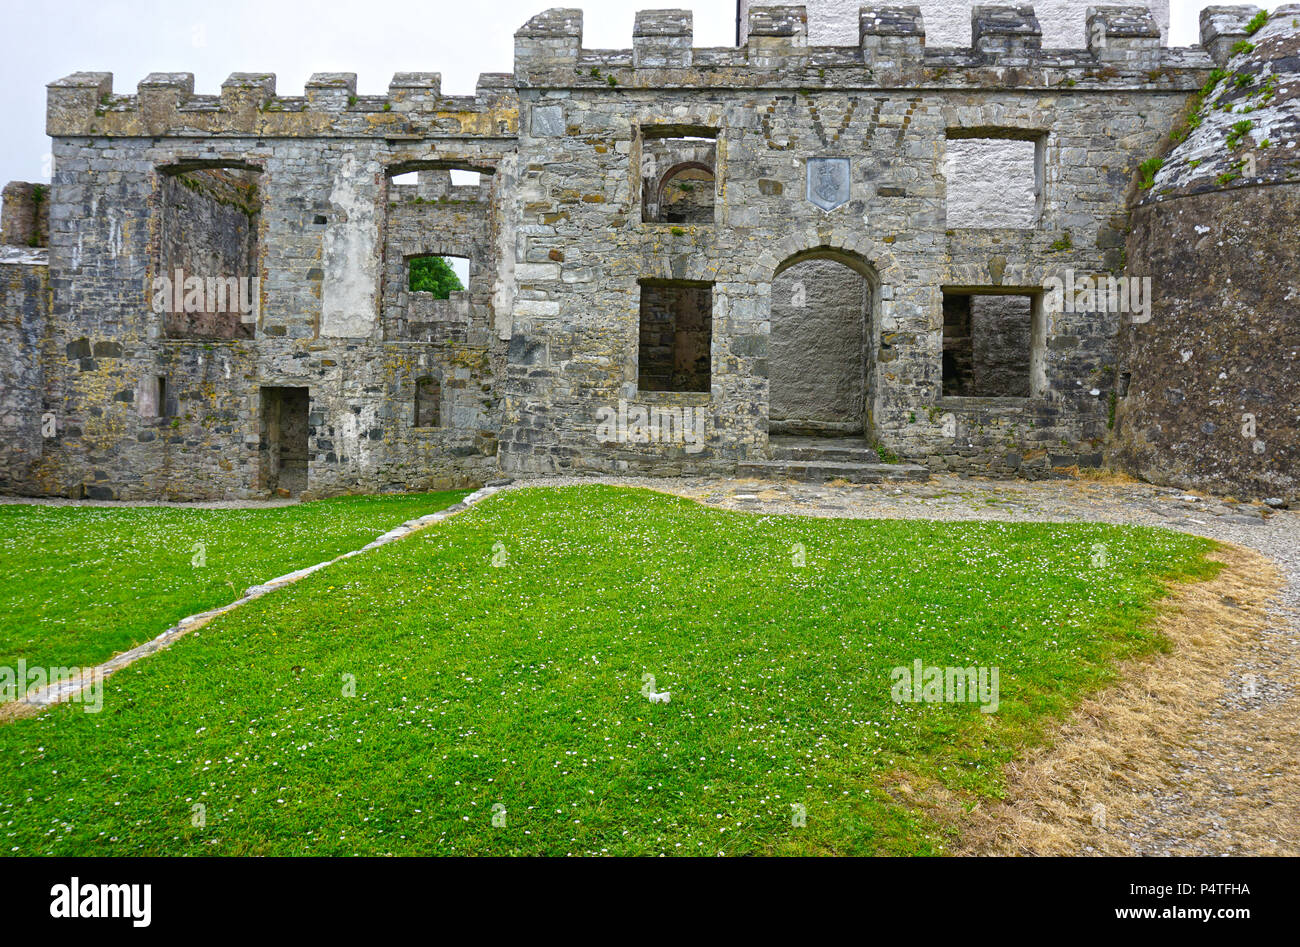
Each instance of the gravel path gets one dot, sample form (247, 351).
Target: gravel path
(1232, 760)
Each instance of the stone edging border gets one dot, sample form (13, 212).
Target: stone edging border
(62, 691)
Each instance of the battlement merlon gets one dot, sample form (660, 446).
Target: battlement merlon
(84, 104)
(1222, 28)
(892, 39)
(1008, 35)
(1006, 51)
(1124, 35)
(663, 39)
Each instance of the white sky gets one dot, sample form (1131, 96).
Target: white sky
(214, 38)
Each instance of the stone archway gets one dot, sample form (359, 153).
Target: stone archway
(819, 352)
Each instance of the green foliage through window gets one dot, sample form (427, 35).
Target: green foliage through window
(433, 274)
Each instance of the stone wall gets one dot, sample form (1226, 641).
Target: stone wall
(1212, 371)
(825, 158)
(24, 314)
(322, 164)
(991, 183)
(779, 106)
(24, 215)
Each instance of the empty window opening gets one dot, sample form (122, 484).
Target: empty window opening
(438, 275)
(686, 196)
(151, 397)
(993, 182)
(678, 175)
(428, 402)
(1125, 379)
(207, 283)
(988, 343)
(283, 446)
(435, 182)
(676, 336)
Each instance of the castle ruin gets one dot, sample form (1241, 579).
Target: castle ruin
(760, 260)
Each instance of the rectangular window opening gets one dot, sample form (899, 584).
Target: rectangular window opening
(428, 402)
(207, 284)
(676, 336)
(678, 179)
(989, 345)
(439, 275)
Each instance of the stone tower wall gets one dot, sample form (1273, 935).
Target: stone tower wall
(1211, 381)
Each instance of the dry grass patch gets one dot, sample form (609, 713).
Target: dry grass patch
(1118, 749)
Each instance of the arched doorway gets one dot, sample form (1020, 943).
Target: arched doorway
(819, 353)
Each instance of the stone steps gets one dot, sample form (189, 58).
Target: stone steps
(821, 470)
(837, 450)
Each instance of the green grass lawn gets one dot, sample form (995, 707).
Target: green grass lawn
(79, 584)
(519, 685)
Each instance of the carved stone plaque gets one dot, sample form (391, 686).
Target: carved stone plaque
(828, 182)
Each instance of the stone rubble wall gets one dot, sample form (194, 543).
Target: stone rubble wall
(546, 336)
(1213, 393)
(323, 162)
(24, 316)
(773, 103)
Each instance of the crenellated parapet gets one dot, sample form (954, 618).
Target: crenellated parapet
(85, 104)
(1006, 50)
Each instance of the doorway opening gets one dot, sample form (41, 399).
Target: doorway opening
(283, 447)
(819, 364)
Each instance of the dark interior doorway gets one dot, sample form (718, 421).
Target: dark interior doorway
(283, 445)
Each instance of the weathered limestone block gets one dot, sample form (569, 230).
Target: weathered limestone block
(1124, 35)
(161, 94)
(1005, 34)
(414, 91)
(73, 100)
(244, 95)
(550, 39)
(776, 35)
(1222, 28)
(25, 215)
(891, 37)
(663, 39)
(331, 91)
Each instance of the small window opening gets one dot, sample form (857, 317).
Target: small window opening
(678, 171)
(438, 275)
(676, 336)
(207, 286)
(428, 402)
